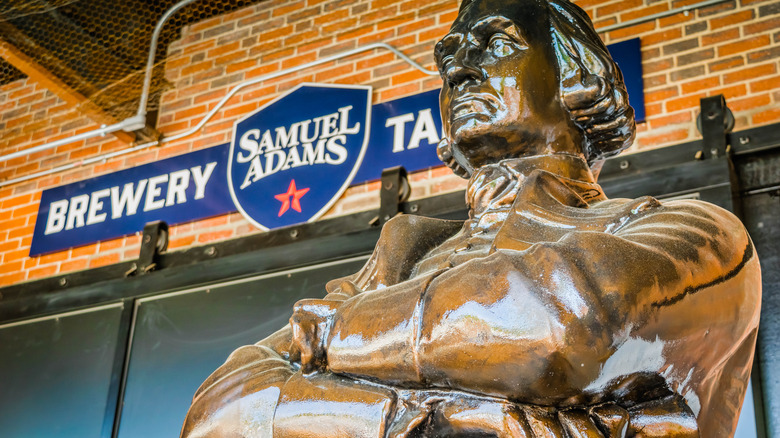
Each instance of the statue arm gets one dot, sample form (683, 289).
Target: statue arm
(538, 325)
(246, 388)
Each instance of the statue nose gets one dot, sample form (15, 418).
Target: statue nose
(464, 67)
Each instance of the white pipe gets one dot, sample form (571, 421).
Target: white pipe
(130, 124)
(196, 128)
(83, 136)
(152, 52)
(276, 74)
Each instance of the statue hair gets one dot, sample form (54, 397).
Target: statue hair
(591, 84)
(592, 87)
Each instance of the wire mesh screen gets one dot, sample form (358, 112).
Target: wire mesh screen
(100, 47)
(9, 73)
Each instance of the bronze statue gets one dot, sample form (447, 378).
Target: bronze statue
(551, 312)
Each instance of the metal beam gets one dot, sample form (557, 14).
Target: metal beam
(40, 74)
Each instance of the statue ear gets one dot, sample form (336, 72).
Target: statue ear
(444, 151)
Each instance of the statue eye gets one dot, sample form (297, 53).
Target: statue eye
(501, 45)
(445, 62)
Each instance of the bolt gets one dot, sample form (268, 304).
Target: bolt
(714, 152)
(294, 234)
(624, 165)
(63, 281)
(388, 185)
(386, 218)
(744, 140)
(147, 238)
(414, 208)
(211, 251)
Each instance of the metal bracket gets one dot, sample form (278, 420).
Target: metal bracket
(714, 122)
(153, 242)
(394, 191)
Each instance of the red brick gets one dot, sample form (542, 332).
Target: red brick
(768, 116)
(749, 103)
(181, 242)
(393, 21)
(719, 37)
(17, 254)
(48, 259)
(111, 244)
(223, 49)
(12, 278)
(282, 10)
(676, 19)
(214, 236)
(73, 265)
(664, 138)
(660, 37)
(731, 19)
(27, 210)
(13, 266)
(103, 260)
(399, 91)
(618, 6)
(765, 84)
(732, 92)
(190, 112)
(744, 45)
(699, 85)
(8, 245)
(409, 76)
(16, 201)
(682, 103)
(237, 111)
(656, 66)
(750, 73)
(762, 26)
(660, 95)
(673, 119)
(644, 12)
(726, 64)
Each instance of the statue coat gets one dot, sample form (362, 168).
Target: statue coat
(553, 311)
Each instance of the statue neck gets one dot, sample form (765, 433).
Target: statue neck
(495, 186)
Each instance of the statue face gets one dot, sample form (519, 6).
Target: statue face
(500, 97)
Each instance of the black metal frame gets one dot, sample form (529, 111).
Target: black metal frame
(664, 172)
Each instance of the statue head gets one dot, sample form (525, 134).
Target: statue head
(528, 77)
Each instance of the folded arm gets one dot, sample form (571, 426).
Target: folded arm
(540, 325)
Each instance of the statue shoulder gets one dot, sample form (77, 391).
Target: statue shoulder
(404, 240)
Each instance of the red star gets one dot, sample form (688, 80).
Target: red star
(287, 202)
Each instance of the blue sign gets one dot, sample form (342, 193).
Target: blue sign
(288, 163)
(404, 132)
(179, 189)
(628, 56)
(293, 158)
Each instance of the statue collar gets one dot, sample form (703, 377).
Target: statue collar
(495, 187)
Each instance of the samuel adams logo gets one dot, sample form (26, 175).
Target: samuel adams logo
(292, 159)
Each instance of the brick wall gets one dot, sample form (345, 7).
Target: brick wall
(732, 48)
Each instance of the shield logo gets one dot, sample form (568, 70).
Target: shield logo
(293, 158)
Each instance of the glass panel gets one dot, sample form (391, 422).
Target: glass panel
(55, 374)
(746, 428)
(180, 338)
